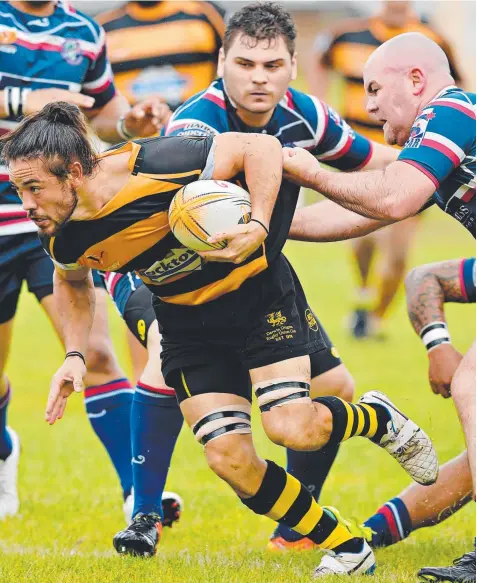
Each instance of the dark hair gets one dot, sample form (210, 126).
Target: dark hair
(58, 134)
(262, 21)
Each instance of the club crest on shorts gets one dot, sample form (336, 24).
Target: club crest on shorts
(276, 319)
(312, 321)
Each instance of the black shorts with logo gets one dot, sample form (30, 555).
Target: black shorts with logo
(266, 320)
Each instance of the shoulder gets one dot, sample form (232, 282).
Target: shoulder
(87, 28)
(312, 110)
(173, 156)
(454, 100)
(202, 114)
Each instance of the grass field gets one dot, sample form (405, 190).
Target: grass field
(70, 498)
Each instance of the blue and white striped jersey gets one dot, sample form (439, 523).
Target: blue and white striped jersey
(442, 146)
(66, 51)
(299, 120)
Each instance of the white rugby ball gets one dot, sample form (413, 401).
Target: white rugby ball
(206, 207)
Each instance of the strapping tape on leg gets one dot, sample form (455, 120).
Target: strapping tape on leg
(223, 421)
(279, 392)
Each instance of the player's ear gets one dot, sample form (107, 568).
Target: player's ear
(418, 80)
(294, 65)
(220, 64)
(76, 174)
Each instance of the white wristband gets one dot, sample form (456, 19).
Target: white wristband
(15, 96)
(434, 334)
(122, 132)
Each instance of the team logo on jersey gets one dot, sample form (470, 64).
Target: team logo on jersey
(71, 52)
(177, 262)
(8, 37)
(419, 128)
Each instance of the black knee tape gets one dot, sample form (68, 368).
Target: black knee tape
(221, 422)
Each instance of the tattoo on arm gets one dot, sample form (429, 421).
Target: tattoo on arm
(428, 288)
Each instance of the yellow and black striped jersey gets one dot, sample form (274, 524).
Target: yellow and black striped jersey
(346, 50)
(131, 232)
(163, 48)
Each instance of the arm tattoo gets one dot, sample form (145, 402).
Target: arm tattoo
(428, 288)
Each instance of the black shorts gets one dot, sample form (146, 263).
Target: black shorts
(139, 313)
(22, 258)
(266, 320)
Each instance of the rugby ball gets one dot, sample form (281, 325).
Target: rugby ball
(206, 207)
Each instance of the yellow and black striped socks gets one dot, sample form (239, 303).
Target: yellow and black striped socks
(351, 420)
(283, 498)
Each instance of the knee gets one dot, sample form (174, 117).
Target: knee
(100, 357)
(228, 462)
(294, 430)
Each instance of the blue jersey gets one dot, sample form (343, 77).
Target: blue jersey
(467, 279)
(66, 51)
(299, 120)
(442, 146)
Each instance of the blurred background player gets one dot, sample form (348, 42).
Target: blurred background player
(343, 51)
(166, 49)
(51, 52)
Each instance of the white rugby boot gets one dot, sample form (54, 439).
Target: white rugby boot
(406, 442)
(9, 502)
(333, 563)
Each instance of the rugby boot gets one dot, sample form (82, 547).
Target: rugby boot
(9, 502)
(462, 571)
(332, 563)
(172, 507)
(141, 537)
(279, 544)
(406, 442)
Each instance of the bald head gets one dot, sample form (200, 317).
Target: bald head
(400, 78)
(408, 51)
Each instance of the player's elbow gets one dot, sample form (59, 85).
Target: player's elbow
(396, 210)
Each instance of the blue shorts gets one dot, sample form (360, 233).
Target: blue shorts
(22, 258)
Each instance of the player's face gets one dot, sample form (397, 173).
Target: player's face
(257, 74)
(390, 100)
(48, 201)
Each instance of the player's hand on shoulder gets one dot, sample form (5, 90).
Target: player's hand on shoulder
(67, 379)
(443, 362)
(36, 100)
(242, 241)
(147, 117)
(299, 165)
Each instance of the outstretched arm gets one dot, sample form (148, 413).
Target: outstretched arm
(393, 194)
(428, 288)
(327, 221)
(75, 298)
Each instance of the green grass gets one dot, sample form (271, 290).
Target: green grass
(70, 497)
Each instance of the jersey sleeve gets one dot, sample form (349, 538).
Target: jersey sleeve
(467, 279)
(48, 246)
(337, 144)
(99, 80)
(178, 156)
(440, 138)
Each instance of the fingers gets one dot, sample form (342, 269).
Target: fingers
(81, 100)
